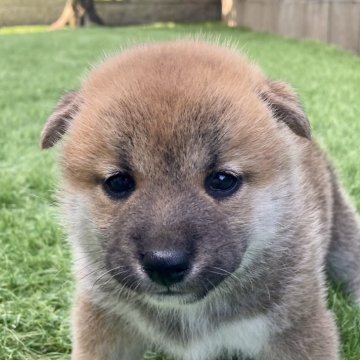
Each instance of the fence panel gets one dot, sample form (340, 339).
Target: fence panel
(334, 21)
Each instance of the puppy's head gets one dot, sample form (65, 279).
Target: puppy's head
(176, 159)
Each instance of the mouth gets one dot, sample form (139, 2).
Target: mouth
(169, 293)
(172, 297)
(189, 291)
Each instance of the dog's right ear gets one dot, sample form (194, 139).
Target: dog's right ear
(59, 121)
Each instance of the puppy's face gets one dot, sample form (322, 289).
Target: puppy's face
(175, 165)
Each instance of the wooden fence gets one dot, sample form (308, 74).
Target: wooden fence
(333, 21)
(113, 12)
(147, 11)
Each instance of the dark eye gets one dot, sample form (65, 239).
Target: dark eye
(119, 185)
(222, 184)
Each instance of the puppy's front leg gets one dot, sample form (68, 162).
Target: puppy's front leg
(98, 335)
(313, 338)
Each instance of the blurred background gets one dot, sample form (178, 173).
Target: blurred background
(333, 21)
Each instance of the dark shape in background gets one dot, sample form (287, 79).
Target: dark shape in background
(77, 13)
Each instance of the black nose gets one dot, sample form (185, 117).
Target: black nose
(166, 267)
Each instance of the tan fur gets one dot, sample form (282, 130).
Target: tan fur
(99, 335)
(167, 113)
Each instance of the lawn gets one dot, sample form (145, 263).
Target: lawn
(35, 68)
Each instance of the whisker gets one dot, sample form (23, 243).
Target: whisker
(112, 277)
(227, 244)
(123, 286)
(97, 261)
(216, 273)
(82, 258)
(227, 272)
(107, 272)
(137, 285)
(91, 272)
(100, 251)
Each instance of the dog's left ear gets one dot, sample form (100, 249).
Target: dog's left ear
(285, 106)
(59, 121)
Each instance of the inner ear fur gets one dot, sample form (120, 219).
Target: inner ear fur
(285, 106)
(60, 119)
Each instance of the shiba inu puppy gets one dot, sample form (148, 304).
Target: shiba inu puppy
(200, 211)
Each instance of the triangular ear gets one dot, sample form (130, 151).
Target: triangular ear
(58, 122)
(285, 106)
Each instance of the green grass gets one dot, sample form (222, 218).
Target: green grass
(35, 68)
(23, 29)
